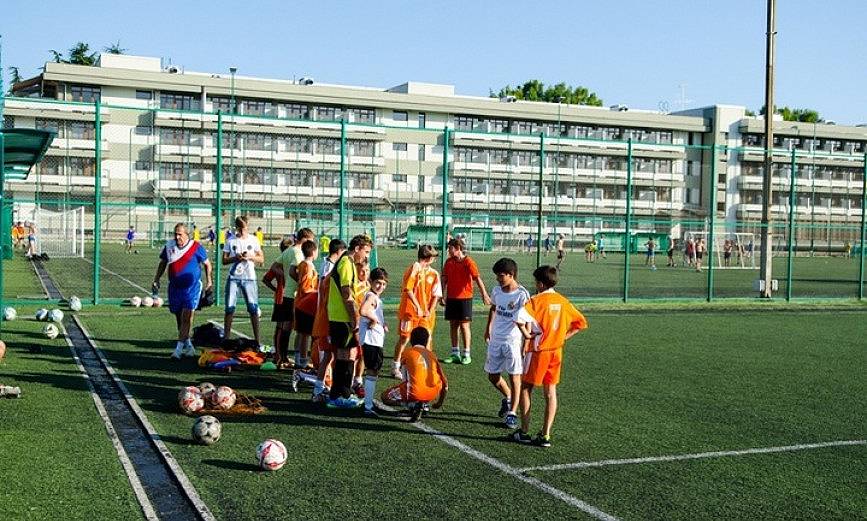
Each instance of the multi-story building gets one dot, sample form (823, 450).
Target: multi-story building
(282, 161)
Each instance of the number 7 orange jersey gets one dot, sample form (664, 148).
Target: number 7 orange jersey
(552, 315)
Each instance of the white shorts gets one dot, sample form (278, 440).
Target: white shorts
(505, 357)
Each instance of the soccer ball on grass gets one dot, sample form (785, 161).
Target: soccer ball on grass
(135, 301)
(224, 397)
(55, 315)
(190, 399)
(208, 389)
(41, 314)
(271, 455)
(147, 302)
(51, 331)
(74, 303)
(207, 430)
(9, 313)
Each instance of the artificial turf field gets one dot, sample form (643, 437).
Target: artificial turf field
(124, 275)
(639, 383)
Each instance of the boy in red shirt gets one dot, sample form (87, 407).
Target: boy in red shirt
(459, 273)
(548, 320)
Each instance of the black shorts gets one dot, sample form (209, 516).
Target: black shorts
(341, 335)
(303, 322)
(699, 255)
(459, 309)
(284, 312)
(373, 357)
(727, 255)
(561, 254)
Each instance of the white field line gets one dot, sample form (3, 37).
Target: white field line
(143, 500)
(699, 455)
(235, 330)
(41, 282)
(179, 475)
(121, 277)
(510, 470)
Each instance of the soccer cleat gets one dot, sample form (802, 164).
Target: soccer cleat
(520, 436)
(466, 360)
(542, 440)
(179, 352)
(511, 420)
(505, 406)
(371, 413)
(453, 358)
(395, 373)
(416, 412)
(190, 351)
(319, 398)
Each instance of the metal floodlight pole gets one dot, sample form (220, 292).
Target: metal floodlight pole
(627, 239)
(557, 166)
(541, 192)
(445, 196)
(863, 230)
(766, 268)
(712, 222)
(342, 197)
(233, 110)
(791, 240)
(218, 210)
(97, 194)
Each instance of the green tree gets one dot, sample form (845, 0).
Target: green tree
(79, 54)
(16, 75)
(535, 90)
(802, 115)
(57, 56)
(115, 48)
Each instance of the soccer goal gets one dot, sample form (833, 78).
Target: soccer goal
(742, 247)
(60, 234)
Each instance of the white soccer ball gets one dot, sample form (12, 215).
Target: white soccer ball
(55, 315)
(41, 314)
(190, 399)
(51, 331)
(147, 302)
(158, 302)
(207, 430)
(208, 389)
(271, 455)
(135, 301)
(74, 303)
(224, 397)
(9, 313)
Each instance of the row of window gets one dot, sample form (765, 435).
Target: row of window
(71, 166)
(562, 129)
(564, 160)
(525, 188)
(262, 142)
(68, 129)
(172, 171)
(803, 200)
(818, 172)
(805, 143)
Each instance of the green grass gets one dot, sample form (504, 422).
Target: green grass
(813, 277)
(636, 384)
(57, 460)
(19, 279)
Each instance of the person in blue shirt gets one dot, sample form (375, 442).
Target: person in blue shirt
(130, 239)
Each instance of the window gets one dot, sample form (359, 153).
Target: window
(421, 183)
(80, 130)
(221, 104)
(175, 136)
(142, 166)
(665, 137)
(178, 101)
(82, 166)
(328, 113)
(327, 146)
(257, 107)
(499, 156)
(144, 94)
(296, 111)
(8, 121)
(84, 93)
(363, 115)
(466, 123)
(422, 117)
(50, 165)
(400, 115)
(752, 140)
(50, 124)
(143, 130)
(500, 126)
(398, 178)
(399, 147)
(173, 172)
(361, 148)
(421, 149)
(258, 142)
(297, 144)
(361, 180)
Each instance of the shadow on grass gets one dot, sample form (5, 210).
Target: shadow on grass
(232, 465)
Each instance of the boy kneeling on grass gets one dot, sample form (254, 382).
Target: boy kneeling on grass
(423, 378)
(547, 321)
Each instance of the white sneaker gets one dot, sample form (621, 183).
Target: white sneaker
(395, 373)
(190, 350)
(179, 352)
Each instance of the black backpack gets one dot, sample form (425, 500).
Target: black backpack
(207, 335)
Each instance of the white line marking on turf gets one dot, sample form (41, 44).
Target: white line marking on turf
(121, 277)
(510, 470)
(164, 451)
(143, 500)
(41, 282)
(699, 455)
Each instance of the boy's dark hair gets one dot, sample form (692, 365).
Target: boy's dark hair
(303, 233)
(307, 248)
(285, 243)
(241, 221)
(419, 337)
(335, 246)
(426, 251)
(505, 265)
(360, 241)
(546, 275)
(378, 274)
(458, 244)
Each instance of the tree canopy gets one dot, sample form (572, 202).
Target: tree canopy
(80, 53)
(792, 114)
(535, 90)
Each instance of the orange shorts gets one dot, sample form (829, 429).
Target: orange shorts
(542, 367)
(410, 322)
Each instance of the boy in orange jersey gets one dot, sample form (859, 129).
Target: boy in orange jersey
(547, 321)
(459, 273)
(420, 293)
(305, 301)
(278, 315)
(423, 378)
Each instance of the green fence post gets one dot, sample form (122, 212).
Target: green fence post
(627, 239)
(791, 241)
(445, 201)
(712, 222)
(97, 194)
(218, 222)
(863, 228)
(341, 226)
(541, 193)
(3, 212)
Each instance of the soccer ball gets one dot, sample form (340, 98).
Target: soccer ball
(41, 314)
(158, 302)
(224, 397)
(135, 301)
(55, 315)
(74, 303)
(147, 302)
(653, 268)
(9, 313)
(207, 430)
(271, 455)
(190, 399)
(51, 331)
(208, 389)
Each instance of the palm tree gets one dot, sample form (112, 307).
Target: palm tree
(115, 48)
(56, 56)
(16, 76)
(80, 54)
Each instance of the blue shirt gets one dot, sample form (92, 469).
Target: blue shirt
(184, 263)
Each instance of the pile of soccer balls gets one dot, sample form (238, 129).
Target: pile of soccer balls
(54, 316)
(147, 302)
(270, 454)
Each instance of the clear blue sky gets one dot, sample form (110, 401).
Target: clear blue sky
(635, 52)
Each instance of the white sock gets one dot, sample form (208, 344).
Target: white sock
(396, 364)
(369, 391)
(455, 350)
(357, 381)
(466, 352)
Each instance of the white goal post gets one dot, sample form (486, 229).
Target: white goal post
(60, 234)
(743, 249)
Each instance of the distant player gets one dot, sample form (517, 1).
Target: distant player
(212, 235)
(650, 257)
(422, 377)
(459, 273)
(260, 236)
(196, 235)
(672, 246)
(275, 280)
(561, 250)
(130, 239)
(420, 293)
(547, 244)
(728, 246)
(504, 338)
(548, 320)
(700, 249)
(371, 333)
(529, 243)
(324, 243)
(600, 247)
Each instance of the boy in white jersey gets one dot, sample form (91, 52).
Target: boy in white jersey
(504, 338)
(371, 332)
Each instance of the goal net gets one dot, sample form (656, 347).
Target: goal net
(741, 248)
(60, 234)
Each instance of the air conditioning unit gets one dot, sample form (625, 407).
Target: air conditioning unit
(619, 108)
(305, 81)
(508, 99)
(171, 69)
